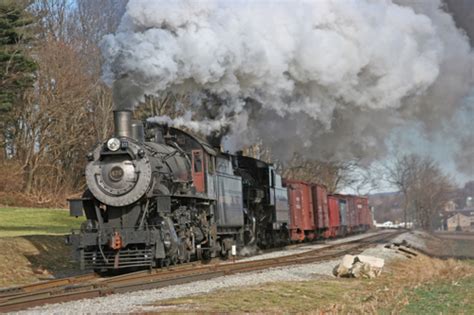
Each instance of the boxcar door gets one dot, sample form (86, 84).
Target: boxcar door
(198, 171)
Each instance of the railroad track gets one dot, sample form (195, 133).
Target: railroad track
(91, 286)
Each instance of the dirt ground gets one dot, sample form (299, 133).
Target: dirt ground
(29, 259)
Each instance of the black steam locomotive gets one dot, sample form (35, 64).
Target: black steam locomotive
(161, 196)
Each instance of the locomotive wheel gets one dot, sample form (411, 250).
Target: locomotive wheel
(185, 257)
(225, 255)
(164, 262)
(206, 256)
(173, 260)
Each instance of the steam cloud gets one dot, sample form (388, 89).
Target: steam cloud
(329, 79)
(205, 127)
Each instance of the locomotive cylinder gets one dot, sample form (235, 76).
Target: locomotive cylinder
(123, 123)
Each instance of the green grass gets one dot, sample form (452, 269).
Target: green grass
(442, 298)
(36, 221)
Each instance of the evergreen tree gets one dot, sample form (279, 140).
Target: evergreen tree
(16, 68)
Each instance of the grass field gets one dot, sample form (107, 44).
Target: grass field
(35, 221)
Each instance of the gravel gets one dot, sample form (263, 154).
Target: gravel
(141, 300)
(305, 248)
(415, 239)
(385, 253)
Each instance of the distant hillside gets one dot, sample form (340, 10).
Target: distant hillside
(389, 206)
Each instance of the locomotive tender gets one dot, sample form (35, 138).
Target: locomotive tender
(165, 196)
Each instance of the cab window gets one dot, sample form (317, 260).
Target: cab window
(210, 164)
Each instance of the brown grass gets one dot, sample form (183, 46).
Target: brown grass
(390, 291)
(29, 259)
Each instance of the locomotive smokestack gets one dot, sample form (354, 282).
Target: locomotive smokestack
(123, 123)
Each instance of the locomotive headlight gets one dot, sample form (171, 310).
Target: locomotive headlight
(113, 144)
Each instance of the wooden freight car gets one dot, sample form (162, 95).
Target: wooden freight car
(302, 222)
(334, 217)
(365, 215)
(320, 209)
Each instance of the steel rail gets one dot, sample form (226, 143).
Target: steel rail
(45, 285)
(161, 278)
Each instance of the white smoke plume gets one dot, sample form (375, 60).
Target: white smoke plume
(204, 127)
(330, 79)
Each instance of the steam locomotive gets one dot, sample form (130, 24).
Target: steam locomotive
(162, 196)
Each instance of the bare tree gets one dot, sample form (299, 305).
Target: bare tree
(164, 105)
(53, 18)
(424, 186)
(400, 174)
(69, 108)
(335, 175)
(53, 127)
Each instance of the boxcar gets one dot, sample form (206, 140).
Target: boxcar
(352, 214)
(343, 214)
(320, 206)
(334, 217)
(365, 216)
(301, 210)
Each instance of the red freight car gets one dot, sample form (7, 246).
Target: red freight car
(334, 217)
(320, 205)
(301, 210)
(352, 214)
(365, 215)
(344, 214)
(369, 219)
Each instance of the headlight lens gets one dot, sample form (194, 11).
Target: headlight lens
(113, 144)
